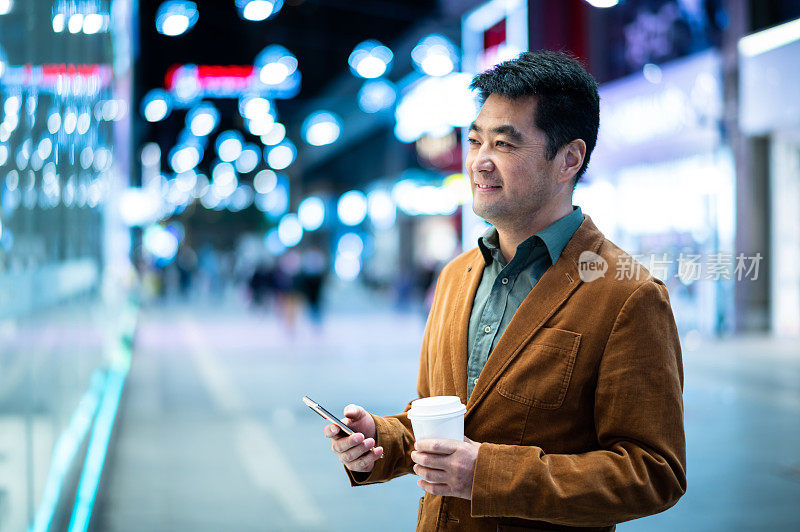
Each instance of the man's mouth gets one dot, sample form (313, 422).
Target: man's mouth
(486, 187)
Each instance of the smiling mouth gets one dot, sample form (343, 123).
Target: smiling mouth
(485, 187)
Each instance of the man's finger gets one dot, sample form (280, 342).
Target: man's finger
(341, 445)
(359, 461)
(353, 412)
(431, 460)
(436, 446)
(431, 475)
(364, 462)
(357, 451)
(332, 430)
(435, 489)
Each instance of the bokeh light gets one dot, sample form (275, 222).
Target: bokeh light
(282, 155)
(202, 119)
(311, 213)
(381, 209)
(175, 17)
(276, 64)
(435, 55)
(352, 207)
(156, 105)
(275, 135)
(258, 10)
(370, 59)
(229, 145)
(265, 181)
(321, 128)
(376, 95)
(289, 230)
(248, 159)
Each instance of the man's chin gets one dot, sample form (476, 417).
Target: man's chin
(485, 212)
(499, 218)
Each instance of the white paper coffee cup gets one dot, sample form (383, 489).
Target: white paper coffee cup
(438, 417)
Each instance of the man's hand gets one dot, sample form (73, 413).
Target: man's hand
(357, 452)
(446, 467)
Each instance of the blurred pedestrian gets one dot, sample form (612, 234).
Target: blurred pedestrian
(286, 283)
(209, 272)
(313, 269)
(186, 263)
(260, 285)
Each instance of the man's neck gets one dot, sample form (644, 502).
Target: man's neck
(509, 237)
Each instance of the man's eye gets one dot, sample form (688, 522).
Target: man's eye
(502, 144)
(473, 141)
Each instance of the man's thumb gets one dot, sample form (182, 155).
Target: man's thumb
(353, 412)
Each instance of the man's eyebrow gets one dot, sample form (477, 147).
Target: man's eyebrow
(510, 131)
(506, 129)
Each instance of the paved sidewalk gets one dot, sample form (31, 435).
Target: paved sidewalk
(213, 436)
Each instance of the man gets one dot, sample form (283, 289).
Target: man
(572, 378)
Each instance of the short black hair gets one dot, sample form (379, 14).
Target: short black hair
(568, 104)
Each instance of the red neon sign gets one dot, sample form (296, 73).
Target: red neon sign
(226, 81)
(47, 76)
(212, 78)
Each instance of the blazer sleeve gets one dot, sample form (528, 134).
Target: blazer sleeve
(640, 467)
(394, 432)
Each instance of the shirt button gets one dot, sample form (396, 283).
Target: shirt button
(474, 381)
(504, 280)
(487, 330)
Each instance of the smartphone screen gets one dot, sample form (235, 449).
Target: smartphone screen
(316, 407)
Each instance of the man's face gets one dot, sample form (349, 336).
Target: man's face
(509, 173)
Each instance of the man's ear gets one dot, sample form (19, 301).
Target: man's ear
(571, 158)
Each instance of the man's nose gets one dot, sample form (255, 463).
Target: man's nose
(482, 162)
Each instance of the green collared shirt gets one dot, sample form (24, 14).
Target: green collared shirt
(505, 285)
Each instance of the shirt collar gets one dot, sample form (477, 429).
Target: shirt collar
(489, 245)
(554, 237)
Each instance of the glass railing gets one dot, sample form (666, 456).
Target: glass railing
(66, 314)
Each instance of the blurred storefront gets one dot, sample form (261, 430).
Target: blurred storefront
(64, 88)
(770, 114)
(661, 183)
(661, 180)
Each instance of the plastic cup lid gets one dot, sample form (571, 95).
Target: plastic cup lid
(437, 406)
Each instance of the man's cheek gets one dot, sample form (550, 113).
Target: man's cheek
(468, 166)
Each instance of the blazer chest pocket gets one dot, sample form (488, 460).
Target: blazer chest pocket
(539, 375)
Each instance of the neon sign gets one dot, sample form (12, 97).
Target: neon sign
(226, 81)
(59, 78)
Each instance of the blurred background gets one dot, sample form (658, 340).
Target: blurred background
(209, 209)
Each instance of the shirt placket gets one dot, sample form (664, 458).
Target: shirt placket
(491, 319)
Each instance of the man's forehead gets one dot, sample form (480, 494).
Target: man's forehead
(499, 110)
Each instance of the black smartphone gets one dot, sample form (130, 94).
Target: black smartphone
(316, 407)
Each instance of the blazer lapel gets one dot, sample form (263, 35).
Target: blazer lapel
(459, 325)
(552, 290)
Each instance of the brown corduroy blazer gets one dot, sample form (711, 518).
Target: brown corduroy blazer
(579, 407)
